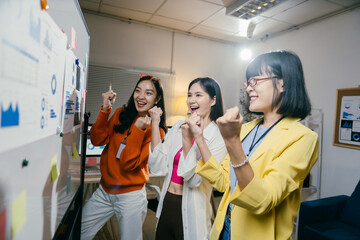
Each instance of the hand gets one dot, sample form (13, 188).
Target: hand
(143, 122)
(187, 135)
(230, 124)
(108, 100)
(195, 124)
(155, 114)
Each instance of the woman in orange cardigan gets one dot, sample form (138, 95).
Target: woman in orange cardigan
(124, 160)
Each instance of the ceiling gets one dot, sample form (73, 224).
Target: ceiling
(207, 18)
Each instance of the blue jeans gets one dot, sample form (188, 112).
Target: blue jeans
(225, 233)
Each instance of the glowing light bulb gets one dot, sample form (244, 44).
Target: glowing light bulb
(245, 54)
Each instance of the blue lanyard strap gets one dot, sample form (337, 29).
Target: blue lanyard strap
(253, 143)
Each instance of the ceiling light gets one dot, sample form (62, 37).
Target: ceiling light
(245, 54)
(246, 9)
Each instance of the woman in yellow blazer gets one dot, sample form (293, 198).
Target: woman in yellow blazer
(268, 159)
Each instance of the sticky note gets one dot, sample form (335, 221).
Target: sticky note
(68, 185)
(91, 161)
(85, 91)
(54, 169)
(2, 224)
(73, 39)
(18, 214)
(75, 153)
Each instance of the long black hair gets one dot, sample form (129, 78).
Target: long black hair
(285, 65)
(129, 114)
(212, 88)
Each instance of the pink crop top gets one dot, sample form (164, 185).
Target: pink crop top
(174, 177)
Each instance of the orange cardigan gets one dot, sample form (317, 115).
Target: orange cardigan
(131, 171)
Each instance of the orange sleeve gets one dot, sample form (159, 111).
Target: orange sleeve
(102, 128)
(136, 151)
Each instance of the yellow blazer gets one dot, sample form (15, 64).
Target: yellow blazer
(267, 206)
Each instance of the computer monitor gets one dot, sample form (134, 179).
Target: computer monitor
(91, 150)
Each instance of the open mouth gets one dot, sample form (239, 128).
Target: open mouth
(141, 104)
(193, 109)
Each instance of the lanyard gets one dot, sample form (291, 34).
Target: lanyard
(128, 133)
(263, 135)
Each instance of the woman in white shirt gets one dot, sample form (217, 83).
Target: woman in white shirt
(184, 210)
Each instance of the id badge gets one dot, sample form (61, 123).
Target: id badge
(122, 146)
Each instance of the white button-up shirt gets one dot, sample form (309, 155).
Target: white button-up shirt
(196, 206)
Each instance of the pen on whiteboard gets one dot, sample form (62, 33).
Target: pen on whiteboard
(110, 87)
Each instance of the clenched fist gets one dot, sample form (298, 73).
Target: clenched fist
(194, 124)
(143, 122)
(155, 114)
(230, 123)
(108, 100)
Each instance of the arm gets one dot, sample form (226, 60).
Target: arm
(155, 114)
(158, 158)
(230, 126)
(193, 129)
(217, 174)
(137, 148)
(99, 133)
(215, 147)
(291, 161)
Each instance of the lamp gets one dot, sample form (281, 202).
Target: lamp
(180, 106)
(246, 9)
(178, 110)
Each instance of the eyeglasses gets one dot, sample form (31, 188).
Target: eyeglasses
(150, 78)
(253, 81)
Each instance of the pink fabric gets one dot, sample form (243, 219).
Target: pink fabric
(174, 177)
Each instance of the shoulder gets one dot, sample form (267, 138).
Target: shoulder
(119, 110)
(176, 127)
(295, 128)
(178, 124)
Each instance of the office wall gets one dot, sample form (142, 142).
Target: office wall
(120, 44)
(330, 54)
(329, 51)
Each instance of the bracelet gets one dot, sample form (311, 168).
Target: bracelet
(240, 164)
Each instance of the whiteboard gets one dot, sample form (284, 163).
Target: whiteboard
(43, 56)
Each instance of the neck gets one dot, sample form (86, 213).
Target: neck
(142, 114)
(270, 119)
(207, 121)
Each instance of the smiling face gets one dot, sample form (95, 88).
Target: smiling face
(199, 101)
(263, 94)
(144, 97)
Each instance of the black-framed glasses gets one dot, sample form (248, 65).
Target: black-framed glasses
(253, 81)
